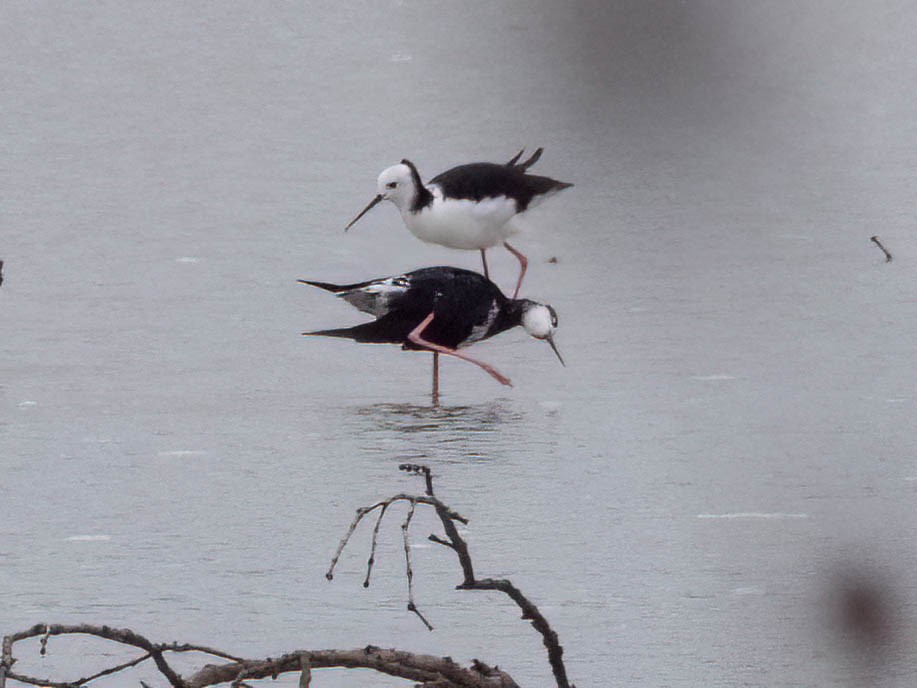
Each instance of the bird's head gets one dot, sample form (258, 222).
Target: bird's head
(540, 321)
(398, 184)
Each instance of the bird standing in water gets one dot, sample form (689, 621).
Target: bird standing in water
(468, 207)
(439, 309)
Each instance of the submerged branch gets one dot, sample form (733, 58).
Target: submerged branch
(424, 669)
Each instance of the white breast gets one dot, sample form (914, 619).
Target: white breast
(463, 224)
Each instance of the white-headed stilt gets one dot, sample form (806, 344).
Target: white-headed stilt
(468, 207)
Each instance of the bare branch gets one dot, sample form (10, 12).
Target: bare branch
(305, 678)
(414, 667)
(405, 528)
(114, 669)
(185, 647)
(427, 670)
(420, 469)
(361, 512)
(439, 541)
(455, 541)
(372, 551)
(364, 510)
(530, 613)
(125, 636)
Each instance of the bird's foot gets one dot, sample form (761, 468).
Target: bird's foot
(497, 375)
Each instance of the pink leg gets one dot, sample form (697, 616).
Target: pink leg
(415, 336)
(523, 261)
(484, 260)
(436, 378)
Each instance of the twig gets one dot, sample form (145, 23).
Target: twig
(888, 256)
(124, 636)
(363, 511)
(44, 642)
(185, 647)
(419, 469)
(440, 541)
(114, 670)
(372, 551)
(531, 613)
(238, 682)
(412, 607)
(455, 542)
(305, 677)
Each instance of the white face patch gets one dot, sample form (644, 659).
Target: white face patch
(538, 321)
(396, 184)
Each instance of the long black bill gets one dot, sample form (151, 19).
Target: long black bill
(365, 210)
(554, 346)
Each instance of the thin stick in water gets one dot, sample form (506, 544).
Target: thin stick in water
(888, 256)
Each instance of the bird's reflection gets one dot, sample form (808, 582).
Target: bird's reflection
(418, 433)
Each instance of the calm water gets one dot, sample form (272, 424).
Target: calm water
(733, 439)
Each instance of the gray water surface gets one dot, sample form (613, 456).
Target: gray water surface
(733, 438)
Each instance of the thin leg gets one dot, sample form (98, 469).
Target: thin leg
(415, 336)
(436, 378)
(523, 261)
(484, 260)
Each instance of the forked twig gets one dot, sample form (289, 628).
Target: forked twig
(426, 670)
(409, 571)
(456, 543)
(372, 551)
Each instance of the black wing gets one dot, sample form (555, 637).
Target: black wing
(375, 297)
(481, 180)
(389, 329)
(460, 300)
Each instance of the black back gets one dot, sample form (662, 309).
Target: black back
(422, 197)
(460, 300)
(481, 180)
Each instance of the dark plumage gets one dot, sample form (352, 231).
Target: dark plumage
(479, 180)
(460, 300)
(440, 309)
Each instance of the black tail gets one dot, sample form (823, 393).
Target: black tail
(343, 332)
(389, 329)
(327, 286)
(367, 333)
(523, 166)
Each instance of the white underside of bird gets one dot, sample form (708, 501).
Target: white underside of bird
(462, 223)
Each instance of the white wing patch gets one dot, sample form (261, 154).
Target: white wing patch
(478, 332)
(376, 298)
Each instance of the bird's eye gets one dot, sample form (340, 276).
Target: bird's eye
(392, 185)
